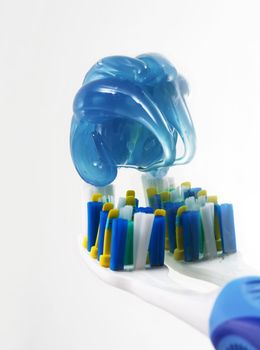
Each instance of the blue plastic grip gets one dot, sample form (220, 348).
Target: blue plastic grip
(235, 318)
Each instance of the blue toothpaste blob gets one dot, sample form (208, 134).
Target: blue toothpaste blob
(129, 113)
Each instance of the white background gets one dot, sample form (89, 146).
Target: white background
(49, 300)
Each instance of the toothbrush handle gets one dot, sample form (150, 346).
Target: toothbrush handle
(235, 318)
(234, 312)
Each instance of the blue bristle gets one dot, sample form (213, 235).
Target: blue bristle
(191, 234)
(195, 228)
(102, 227)
(136, 202)
(171, 211)
(186, 193)
(187, 239)
(118, 244)
(155, 201)
(157, 241)
(228, 229)
(170, 222)
(93, 209)
(151, 201)
(194, 191)
(191, 192)
(147, 210)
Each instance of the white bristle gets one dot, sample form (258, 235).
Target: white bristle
(121, 202)
(176, 195)
(162, 184)
(110, 198)
(106, 191)
(207, 216)
(191, 203)
(201, 201)
(126, 212)
(142, 231)
(184, 189)
(171, 183)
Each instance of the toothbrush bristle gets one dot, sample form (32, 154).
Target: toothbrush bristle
(183, 220)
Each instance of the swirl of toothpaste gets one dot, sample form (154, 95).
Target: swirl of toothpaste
(129, 112)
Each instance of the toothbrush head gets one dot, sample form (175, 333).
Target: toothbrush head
(129, 113)
(187, 222)
(235, 319)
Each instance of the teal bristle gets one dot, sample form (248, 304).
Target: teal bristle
(129, 252)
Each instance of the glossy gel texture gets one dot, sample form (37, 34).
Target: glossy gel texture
(129, 113)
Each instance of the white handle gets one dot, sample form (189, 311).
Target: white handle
(155, 287)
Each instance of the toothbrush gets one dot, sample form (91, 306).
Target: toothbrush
(230, 315)
(130, 113)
